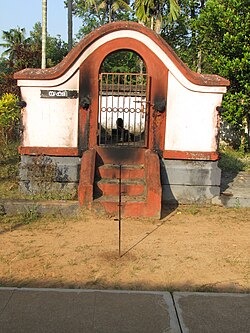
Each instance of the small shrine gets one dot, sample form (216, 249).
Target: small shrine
(151, 135)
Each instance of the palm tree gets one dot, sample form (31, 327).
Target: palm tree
(44, 32)
(149, 12)
(17, 47)
(111, 6)
(70, 41)
(107, 7)
(13, 39)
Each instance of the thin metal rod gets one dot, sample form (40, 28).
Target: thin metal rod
(120, 208)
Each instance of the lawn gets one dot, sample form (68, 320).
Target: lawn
(192, 248)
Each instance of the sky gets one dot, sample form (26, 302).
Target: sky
(25, 13)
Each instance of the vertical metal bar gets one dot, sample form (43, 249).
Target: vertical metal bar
(106, 109)
(147, 107)
(135, 110)
(100, 108)
(124, 100)
(112, 105)
(141, 112)
(137, 92)
(120, 208)
(131, 108)
(119, 77)
(129, 114)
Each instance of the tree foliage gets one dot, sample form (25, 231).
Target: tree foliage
(181, 34)
(95, 13)
(223, 37)
(20, 51)
(9, 115)
(153, 12)
(123, 61)
(25, 52)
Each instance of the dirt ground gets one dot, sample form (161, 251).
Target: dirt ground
(192, 248)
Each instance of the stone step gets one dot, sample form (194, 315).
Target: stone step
(118, 155)
(235, 190)
(141, 188)
(128, 208)
(233, 201)
(112, 171)
(110, 187)
(124, 198)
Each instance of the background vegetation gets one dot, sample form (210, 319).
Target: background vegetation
(210, 36)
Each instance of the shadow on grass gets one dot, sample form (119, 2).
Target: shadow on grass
(171, 212)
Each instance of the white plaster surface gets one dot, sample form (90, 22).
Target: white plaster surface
(50, 122)
(191, 122)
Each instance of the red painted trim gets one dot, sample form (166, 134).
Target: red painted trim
(87, 177)
(191, 155)
(53, 151)
(89, 70)
(67, 62)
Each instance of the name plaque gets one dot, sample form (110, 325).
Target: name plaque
(59, 94)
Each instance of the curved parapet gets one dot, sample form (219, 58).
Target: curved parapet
(112, 31)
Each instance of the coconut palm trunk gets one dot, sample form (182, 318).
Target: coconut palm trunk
(44, 32)
(70, 25)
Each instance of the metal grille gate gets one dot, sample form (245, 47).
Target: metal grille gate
(123, 109)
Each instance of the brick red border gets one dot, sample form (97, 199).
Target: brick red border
(191, 155)
(53, 151)
(168, 154)
(67, 62)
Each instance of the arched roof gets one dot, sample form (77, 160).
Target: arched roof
(126, 28)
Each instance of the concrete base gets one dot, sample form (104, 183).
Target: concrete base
(39, 207)
(188, 182)
(182, 181)
(234, 190)
(49, 174)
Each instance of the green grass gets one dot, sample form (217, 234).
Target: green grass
(10, 223)
(234, 161)
(9, 161)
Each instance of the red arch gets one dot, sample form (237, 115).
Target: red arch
(89, 71)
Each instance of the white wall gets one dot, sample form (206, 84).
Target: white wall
(191, 122)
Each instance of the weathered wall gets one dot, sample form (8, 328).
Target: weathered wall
(50, 122)
(187, 182)
(49, 174)
(192, 118)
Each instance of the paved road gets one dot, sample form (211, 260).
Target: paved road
(92, 311)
